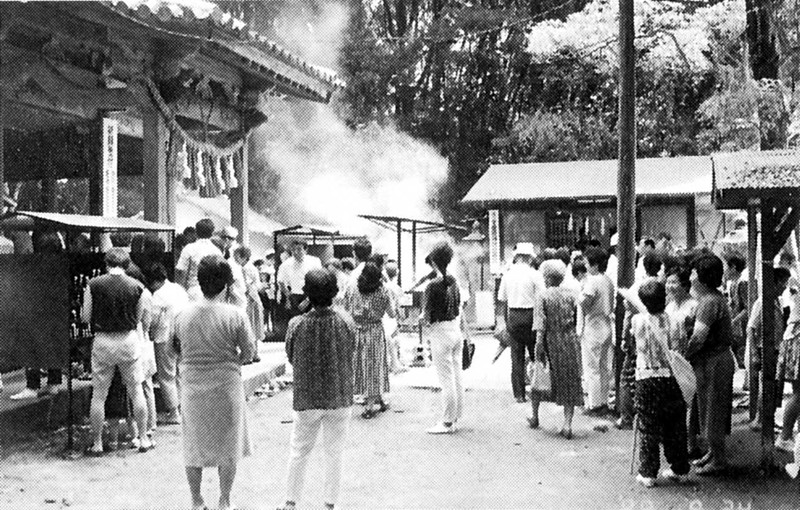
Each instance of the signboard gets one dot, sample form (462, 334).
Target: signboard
(495, 263)
(109, 188)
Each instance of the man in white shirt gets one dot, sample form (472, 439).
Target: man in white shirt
(168, 299)
(192, 254)
(291, 276)
(519, 289)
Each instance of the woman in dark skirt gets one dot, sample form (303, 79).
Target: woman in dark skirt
(367, 303)
(557, 343)
(709, 352)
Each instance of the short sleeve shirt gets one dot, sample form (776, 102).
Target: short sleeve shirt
(520, 286)
(190, 258)
(714, 312)
(292, 273)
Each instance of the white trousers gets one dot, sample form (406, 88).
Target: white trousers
(447, 346)
(307, 424)
(596, 350)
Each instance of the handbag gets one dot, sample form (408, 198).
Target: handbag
(682, 371)
(467, 354)
(540, 381)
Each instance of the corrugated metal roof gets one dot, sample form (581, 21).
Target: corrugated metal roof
(206, 20)
(686, 175)
(757, 170)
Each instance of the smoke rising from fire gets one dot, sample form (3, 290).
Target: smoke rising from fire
(326, 169)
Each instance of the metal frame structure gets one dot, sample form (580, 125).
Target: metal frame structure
(308, 231)
(397, 224)
(72, 223)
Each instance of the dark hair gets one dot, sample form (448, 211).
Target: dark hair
(243, 252)
(134, 272)
(348, 264)
(650, 243)
(780, 274)
(378, 259)
(682, 273)
(362, 249)
(120, 239)
(190, 234)
(117, 257)
(441, 255)
(137, 243)
(299, 242)
(596, 257)
(214, 274)
(651, 263)
(787, 257)
(737, 261)
(665, 235)
(595, 243)
(549, 254)
(320, 287)
(155, 273)
(334, 264)
(653, 295)
(709, 270)
(153, 245)
(370, 279)
(46, 242)
(204, 228)
(563, 254)
(578, 266)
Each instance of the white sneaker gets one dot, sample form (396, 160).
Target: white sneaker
(647, 482)
(786, 445)
(669, 474)
(792, 469)
(25, 394)
(441, 428)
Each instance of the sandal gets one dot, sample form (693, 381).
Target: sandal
(368, 414)
(383, 407)
(533, 423)
(566, 434)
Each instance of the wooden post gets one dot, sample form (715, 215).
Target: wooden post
(768, 296)
(753, 277)
(400, 253)
(239, 200)
(626, 176)
(691, 222)
(413, 251)
(154, 156)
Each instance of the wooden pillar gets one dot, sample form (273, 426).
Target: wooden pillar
(768, 295)
(239, 203)
(414, 251)
(691, 222)
(399, 253)
(753, 277)
(159, 195)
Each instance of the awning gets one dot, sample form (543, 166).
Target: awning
(316, 231)
(655, 177)
(26, 220)
(743, 176)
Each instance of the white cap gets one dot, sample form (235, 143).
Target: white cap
(524, 249)
(614, 239)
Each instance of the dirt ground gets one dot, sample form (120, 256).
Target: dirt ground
(494, 461)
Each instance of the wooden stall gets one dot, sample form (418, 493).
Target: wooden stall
(767, 185)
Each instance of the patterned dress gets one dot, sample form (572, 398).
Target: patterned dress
(371, 367)
(554, 316)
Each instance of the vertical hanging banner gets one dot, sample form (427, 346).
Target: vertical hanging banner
(495, 264)
(109, 183)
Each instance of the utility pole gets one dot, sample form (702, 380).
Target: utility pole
(626, 176)
(626, 188)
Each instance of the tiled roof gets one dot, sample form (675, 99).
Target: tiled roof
(680, 176)
(206, 20)
(757, 170)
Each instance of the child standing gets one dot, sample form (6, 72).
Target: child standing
(660, 406)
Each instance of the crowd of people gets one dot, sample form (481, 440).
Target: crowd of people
(559, 306)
